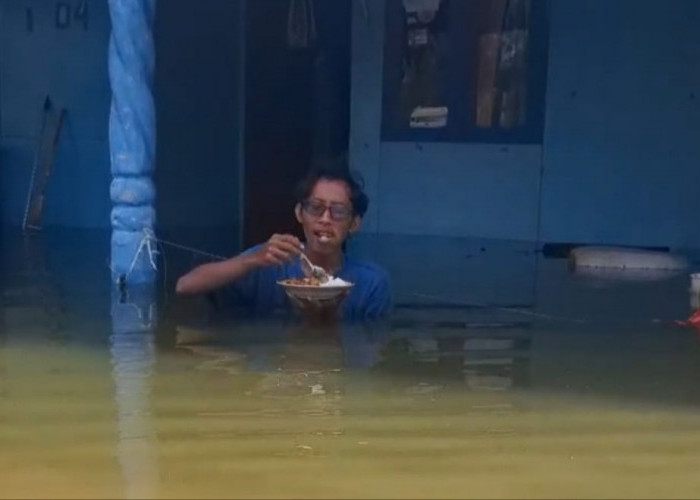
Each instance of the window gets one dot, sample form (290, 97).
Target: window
(465, 70)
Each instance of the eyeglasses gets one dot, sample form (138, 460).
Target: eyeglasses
(316, 208)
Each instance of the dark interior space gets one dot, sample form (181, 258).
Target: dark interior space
(197, 93)
(296, 107)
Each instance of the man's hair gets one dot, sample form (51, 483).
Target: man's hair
(336, 170)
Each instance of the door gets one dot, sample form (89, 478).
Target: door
(297, 105)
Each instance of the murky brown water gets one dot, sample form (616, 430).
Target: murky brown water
(448, 403)
(79, 422)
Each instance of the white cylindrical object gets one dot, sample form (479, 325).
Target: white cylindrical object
(695, 283)
(626, 258)
(694, 291)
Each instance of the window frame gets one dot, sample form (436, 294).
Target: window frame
(460, 85)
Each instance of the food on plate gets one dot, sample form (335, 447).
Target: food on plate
(313, 281)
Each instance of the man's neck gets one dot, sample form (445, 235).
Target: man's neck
(330, 262)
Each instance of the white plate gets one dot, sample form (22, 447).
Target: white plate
(312, 292)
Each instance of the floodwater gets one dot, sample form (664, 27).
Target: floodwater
(502, 375)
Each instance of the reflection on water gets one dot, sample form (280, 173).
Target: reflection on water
(133, 356)
(103, 395)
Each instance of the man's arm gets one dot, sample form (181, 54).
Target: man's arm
(208, 277)
(211, 276)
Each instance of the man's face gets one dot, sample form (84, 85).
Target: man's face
(327, 216)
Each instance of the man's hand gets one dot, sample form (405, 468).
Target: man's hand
(280, 248)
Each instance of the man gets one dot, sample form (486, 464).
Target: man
(330, 205)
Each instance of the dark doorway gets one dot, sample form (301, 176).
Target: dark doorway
(297, 105)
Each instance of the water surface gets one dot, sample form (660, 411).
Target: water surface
(502, 375)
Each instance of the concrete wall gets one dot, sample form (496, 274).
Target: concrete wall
(619, 160)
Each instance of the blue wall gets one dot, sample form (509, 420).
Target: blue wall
(619, 162)
(70, 66)
(441, 189)
(622, 146)
(198, 97)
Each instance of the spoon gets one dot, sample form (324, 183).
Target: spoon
(311, 270)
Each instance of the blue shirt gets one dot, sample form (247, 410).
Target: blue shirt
(368, 299)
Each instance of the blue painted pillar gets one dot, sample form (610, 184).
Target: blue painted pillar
(132, 137)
